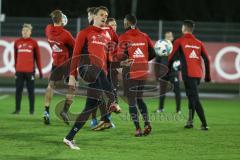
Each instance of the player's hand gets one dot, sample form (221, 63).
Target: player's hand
(176, 65)
(126, 63)
(207, 79)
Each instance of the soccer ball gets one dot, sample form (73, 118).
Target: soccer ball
(64, 19)
(163, 47)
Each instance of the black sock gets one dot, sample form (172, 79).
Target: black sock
(66, 106)
(47, 109)
(134, 115)
(80, 121)
(104, 111)
(201, 115)
(161, 102)
(72, 133)
(82, 118)
(143, 110)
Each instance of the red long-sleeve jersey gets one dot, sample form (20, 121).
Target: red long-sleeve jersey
(190, 50)
(26, 52)
(112, 44)
(90, 48)
(61, 42)
(136, 45)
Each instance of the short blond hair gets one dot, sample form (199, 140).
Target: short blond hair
(27, 25)
(56, 16)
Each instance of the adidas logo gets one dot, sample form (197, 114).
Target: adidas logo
(193, 55)
(138, 53)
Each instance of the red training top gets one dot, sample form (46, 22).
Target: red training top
(26, 52)
(61, 42)
(91, 44)
(136, 45)
(190, 50)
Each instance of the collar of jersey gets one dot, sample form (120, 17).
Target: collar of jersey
(188, 35)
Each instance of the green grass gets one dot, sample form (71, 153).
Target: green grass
(24, 137)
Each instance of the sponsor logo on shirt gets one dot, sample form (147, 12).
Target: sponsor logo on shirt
(192, 46)
(24, 50)
(98, 42)
(52, 41)
(138, 53)
(137, 44)
(193, 55)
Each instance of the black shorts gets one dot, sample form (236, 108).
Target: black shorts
(25, 76)
(59, 73)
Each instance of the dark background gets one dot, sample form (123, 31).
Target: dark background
(198, 10)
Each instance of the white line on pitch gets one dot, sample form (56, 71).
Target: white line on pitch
(4, 96)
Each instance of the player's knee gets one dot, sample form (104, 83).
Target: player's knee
(69, 100)
(132, 102)
(51, 85)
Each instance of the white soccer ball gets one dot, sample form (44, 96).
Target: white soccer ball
(64, 20)
(163, 47)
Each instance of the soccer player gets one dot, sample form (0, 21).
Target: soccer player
(105, 119)
(112, 22)
(94, 121)
(110, 29)
(113, 73)
(26, 53)
(190, 50)
(62, 43)
(90, 53)
(172, 76)
(138, 48)
(90, 12)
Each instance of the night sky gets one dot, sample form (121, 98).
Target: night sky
(198, 10)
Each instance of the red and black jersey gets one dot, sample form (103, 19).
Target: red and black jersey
(90, 48)
(110, 33)
(190, 52)
(138, 47)
(26, 52)
(112, 44)
(61, 42)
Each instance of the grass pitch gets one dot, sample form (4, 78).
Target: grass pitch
(25, 137)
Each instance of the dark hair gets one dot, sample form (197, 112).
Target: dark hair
(91, 10)
(97, 9)
(56, 16)
(110, 20)
(132, 19)
(189, 24)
